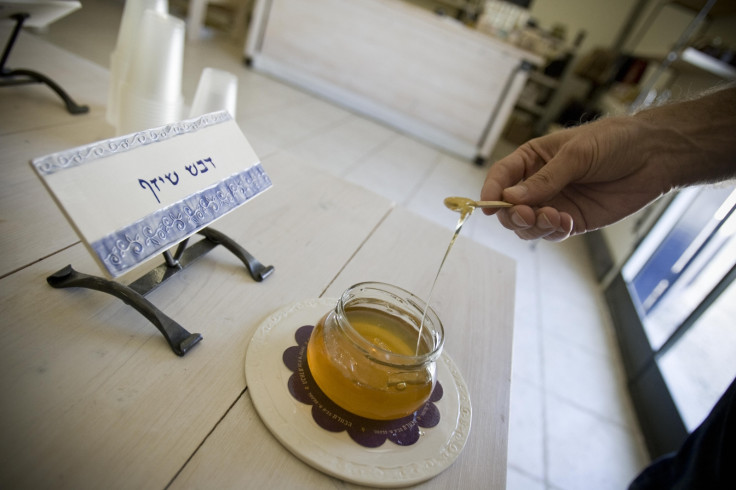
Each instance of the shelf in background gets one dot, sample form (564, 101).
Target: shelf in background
(698, 59)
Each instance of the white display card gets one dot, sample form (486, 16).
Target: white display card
(132, 197)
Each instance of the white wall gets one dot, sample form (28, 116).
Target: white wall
(601, 19)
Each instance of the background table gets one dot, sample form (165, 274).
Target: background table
(426, 75)
(92, 396)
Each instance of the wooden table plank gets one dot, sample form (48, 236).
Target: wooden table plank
(95, 398)
(404, 250)
(474, 298)
(31, 225)
(34, 123)
(35, 105)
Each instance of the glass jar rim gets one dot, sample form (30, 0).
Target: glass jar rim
(388, 294)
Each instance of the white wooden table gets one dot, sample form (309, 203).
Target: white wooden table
(92, 396)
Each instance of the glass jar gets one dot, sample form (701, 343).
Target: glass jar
(366, 354)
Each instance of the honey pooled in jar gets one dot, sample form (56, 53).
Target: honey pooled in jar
(360, 385)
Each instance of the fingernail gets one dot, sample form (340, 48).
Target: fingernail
(518, 220)
(516, 192)
(545, 223)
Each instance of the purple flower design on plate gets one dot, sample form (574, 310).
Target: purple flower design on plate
(331, 417)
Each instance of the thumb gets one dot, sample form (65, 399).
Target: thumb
(543, 185)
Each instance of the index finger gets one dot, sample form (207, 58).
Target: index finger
(504, 173)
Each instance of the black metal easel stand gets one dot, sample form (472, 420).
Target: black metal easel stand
(180, 340)
(10, 77)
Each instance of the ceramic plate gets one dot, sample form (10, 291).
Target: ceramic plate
(335, 453)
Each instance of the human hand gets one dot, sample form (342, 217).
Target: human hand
(578, 179)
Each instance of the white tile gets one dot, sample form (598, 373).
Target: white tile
(581, 324)
(259, 95)
(396, 170)
(580, 320)
(262, 140)
(295, 122)
(567, 263)
(341, 147)
(590, 381)
(585, 452)
(519, 480)
(572, 304)
(526, 429)
(526, 361)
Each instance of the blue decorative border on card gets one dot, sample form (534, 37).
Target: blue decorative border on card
(129, 246)
(57, 162)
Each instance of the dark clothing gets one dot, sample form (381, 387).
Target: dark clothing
(707, 459)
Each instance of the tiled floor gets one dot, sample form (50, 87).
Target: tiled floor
(571, 423)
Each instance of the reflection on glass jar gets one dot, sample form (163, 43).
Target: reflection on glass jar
(365, 354)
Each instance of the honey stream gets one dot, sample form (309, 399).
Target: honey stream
(465, 207)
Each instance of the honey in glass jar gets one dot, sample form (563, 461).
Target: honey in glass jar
(367, 355)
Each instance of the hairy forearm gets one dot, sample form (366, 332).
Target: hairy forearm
(693, 141)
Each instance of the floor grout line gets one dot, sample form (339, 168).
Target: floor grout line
(542, 374)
